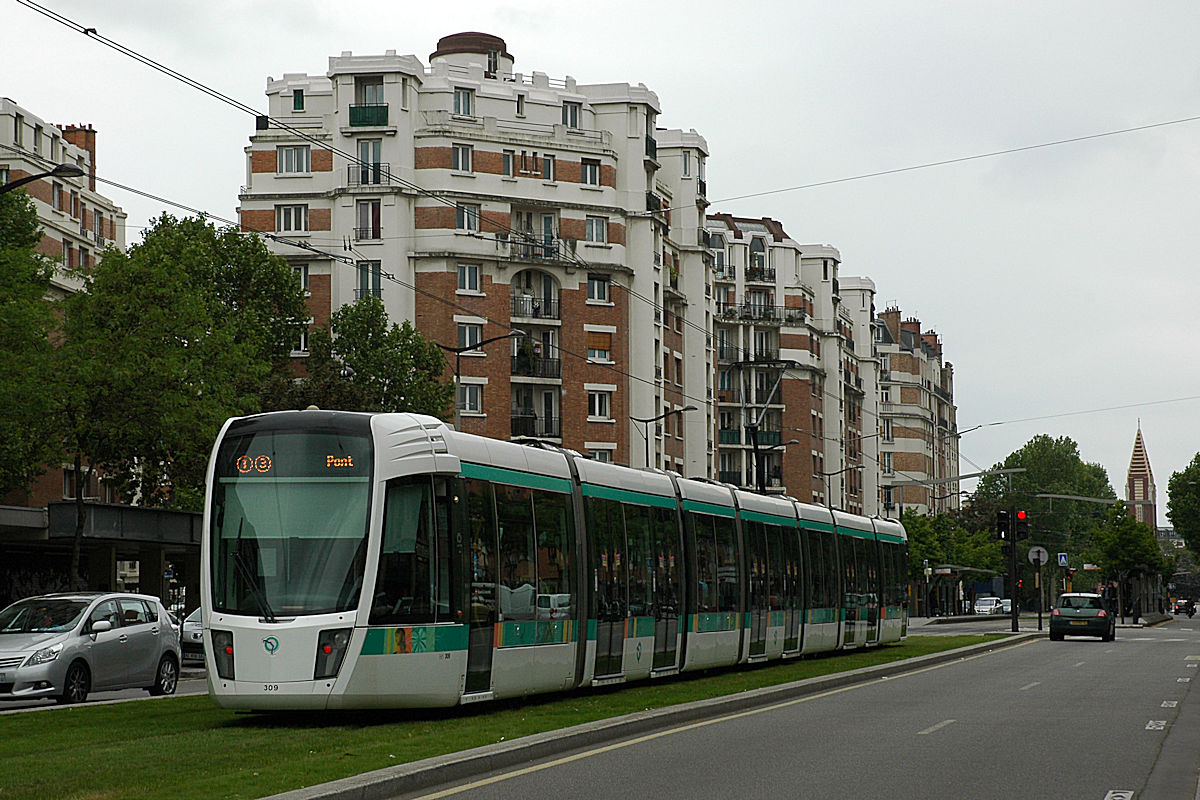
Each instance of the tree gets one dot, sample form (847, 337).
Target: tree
(360, 363)
(26, 320)
(1052, 466)
(160, 347)
(1122, 544)
(1183, 503)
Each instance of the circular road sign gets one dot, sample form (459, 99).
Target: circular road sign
(1038, 556)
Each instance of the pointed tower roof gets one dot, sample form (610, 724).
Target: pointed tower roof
(1139, 463)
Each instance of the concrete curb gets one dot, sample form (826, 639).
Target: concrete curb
(415, 776)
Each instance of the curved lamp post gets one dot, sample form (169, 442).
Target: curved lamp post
(646, 425)
(828, 475)
(60, 171)
(458, 351)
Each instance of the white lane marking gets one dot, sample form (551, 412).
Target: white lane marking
(690, 727)
(1192, 658)
(1119, 794)
(1191, 666)
(1170, 703)
(1030, 685)
(1081, 663)
(1156, 725)
(1185, 680)
(937, 727)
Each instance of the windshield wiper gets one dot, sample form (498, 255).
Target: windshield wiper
(248, 577)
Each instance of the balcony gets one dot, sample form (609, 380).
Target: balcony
(767, 397)
(526, 423)
(536, 366)
(750, 312)
(729, 396)
(651, 147)
(535, 307)
(730, 476)
(527, 247)
(368, 174)
(360, 293)
(794, 316)
(765, 354)
(728, 353)
(372, 114)
(702, 187)
(769, 438)
(729, 436)
(368, 234)
(653, 203)
(761, 274)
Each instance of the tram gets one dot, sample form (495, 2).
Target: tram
(355, 560)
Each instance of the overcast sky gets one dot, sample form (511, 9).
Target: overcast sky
(1062, 279)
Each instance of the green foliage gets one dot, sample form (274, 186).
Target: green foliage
(1122, 544)
(1183, 504)
(942, 539)
(165, 343)
(26, 321)
(360, 363)
(1053, 466)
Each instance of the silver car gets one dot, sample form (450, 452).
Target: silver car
(191, 639)
(64, 646)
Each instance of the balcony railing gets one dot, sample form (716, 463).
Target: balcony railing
(730, 476)
(368, 114)
(729, 436)
(535, 307)
(651, 147)
(765, 354)
(760, 274)
(750, 312)
(368, 174)
(728, 354)
(527, 247)
(524, 424)
(536, 366)
(768, 397)
(729, 396)
(702, 187)
(769, 438)
(359, 294)
(368, 234)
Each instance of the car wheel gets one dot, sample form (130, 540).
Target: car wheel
(76, 684)
(167, 677)
(1055, 637)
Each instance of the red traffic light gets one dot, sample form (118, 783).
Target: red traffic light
(1021, 515)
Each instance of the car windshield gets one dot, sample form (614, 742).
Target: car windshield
(1066, 601)
(41, 615)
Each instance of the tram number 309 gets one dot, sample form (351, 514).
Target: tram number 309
(270, 687)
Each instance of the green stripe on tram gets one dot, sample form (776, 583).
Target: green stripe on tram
(813, 525)
(415, 639)
(627, 496)
(770, 519)
(708, 508)
(712, 622)
(531, 632)
(503, 475)
(890, 538)
(858, 533)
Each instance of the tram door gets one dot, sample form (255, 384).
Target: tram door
(481, 569)
(610, 583)
(667, 556)
(760, 599)
(790, 576)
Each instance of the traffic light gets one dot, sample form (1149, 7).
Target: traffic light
(1020, 584)
(1002, 524)
(1022, 528)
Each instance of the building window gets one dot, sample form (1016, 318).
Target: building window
(302, 342)
(367, 212)
(470, 398)
(570, 114)
(599, 346)
(56, 192)
(886, 433)
(85, 258)
(758, 255)
(301, 273)
(599, 405)
(507, 163)
(297, 99)
(368, 91)
(3, 175)
(469, 334)
(547, 167)
(687, 163)
(520, 105)
(603, 456)
(37, 139)
(467, 218)
(291, 218)
(598, 288)
(460, 157)
(292, 159)
(589, 173)
(370, 275)
(678, 371)
(464, 102)
(885, 463)
(596, 229)
(468, 277)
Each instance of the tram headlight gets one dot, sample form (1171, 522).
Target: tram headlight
(222, 644)
(331, 649)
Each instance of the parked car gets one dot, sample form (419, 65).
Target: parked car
(1006, 605)
(987, 605)
(64, 646)
(1082, 614)
(191, 640)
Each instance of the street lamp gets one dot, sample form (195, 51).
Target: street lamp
(646, 424)
(458, 351)
(60, 171)
(828, 475)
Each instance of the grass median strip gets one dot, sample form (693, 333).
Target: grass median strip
(187, 747)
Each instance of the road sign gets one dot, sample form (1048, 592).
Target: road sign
(1038, 556)
(1062, 560)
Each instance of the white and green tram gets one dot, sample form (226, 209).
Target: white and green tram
(386, 560)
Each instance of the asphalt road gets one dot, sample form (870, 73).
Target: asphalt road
(1074, 719)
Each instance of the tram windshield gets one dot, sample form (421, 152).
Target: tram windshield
(289, 526)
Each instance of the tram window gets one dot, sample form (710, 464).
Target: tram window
(404, 581)
(666, 549)
(556, 546)
(706, 562)
(776, 564)
(448, 597)
(816, 566)
(728, 574)
(482, 566)
(637, 532)
(518, 575)
(756, 560)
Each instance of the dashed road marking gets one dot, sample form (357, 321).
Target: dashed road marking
(1081, 663)
(1170, 703)
(937, 727)
(1030, 685)
(1156, 725)
(1184, 680)
(1119, 794)
(1192, 658)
